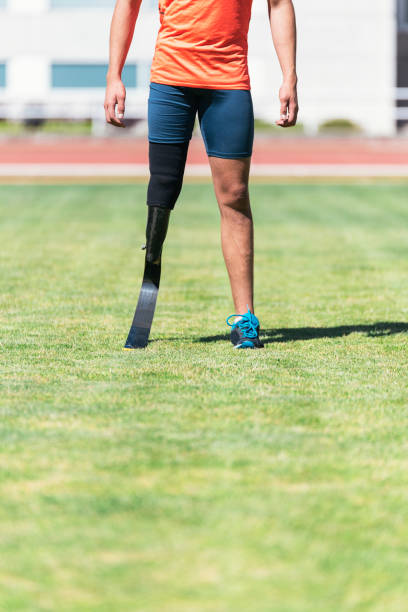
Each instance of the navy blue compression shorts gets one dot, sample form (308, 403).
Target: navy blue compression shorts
(226, 118)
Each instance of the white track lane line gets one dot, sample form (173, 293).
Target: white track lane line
(278, 170)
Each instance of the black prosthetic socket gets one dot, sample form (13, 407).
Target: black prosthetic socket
(156, 231)
(167, 162)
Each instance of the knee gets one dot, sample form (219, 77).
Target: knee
(164, 189)
(234, 195)
(167, 162)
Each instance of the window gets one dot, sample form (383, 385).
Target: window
(2, 75)
(82, 3)
(403, 14)
(87, 76)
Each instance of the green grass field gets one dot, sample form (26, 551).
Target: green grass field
(190, 477)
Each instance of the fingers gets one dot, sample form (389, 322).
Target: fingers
(293, 111)
(120, 110)
(112, 117)
(282, 121)
(289, 111)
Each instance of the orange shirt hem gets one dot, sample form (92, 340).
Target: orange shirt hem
(198, 84)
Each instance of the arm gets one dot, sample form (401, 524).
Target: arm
(283, 28)
(121, 34)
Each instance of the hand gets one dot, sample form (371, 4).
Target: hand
(289, 104)
(115, 102)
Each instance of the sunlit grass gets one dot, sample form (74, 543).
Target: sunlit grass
(189, 476)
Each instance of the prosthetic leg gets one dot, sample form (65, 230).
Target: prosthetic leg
(156, 230)
(167, 162)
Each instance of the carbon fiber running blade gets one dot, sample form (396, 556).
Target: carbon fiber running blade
(142, 321)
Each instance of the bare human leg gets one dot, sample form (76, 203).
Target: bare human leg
(230, 178)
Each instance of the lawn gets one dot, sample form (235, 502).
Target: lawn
(190, 477)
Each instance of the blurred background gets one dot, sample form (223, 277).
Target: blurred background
(352, 65)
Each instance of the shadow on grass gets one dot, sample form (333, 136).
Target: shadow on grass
(293, 334)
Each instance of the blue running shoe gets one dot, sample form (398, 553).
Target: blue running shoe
(245, 332)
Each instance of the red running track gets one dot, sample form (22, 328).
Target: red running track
(290, 151)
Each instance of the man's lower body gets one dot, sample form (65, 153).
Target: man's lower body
(227, 126)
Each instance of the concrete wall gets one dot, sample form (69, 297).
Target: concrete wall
(347, 63)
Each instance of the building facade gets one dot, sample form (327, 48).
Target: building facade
(352, 57)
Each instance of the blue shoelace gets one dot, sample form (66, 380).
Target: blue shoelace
(247, 324)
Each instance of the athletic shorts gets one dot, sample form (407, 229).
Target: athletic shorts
(226, 118)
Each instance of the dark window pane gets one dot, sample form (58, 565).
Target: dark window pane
(2, 75)
(404, 12)
(88, 75)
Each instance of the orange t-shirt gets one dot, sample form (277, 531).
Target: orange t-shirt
(203, 43)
